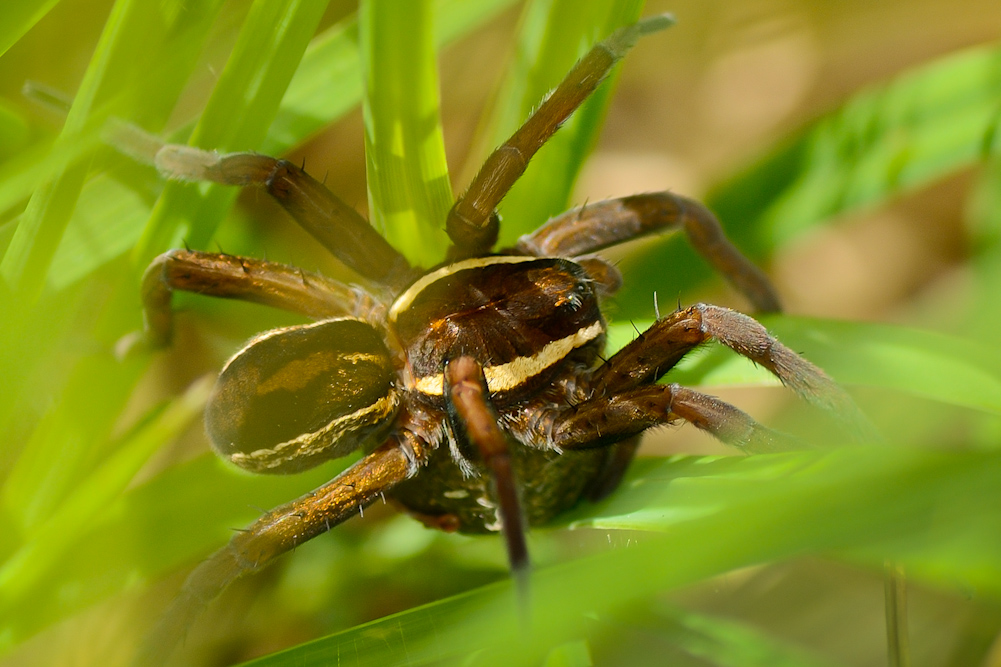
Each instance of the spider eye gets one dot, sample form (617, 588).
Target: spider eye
(295, 397)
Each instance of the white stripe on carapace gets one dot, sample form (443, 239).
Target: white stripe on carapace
(508, 376)
(404, 300)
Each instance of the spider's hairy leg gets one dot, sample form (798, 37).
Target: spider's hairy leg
(608, 420)
(280, 531)
(595, 226)
(472, 223)
(660, 347)
(341, 229)
(247, 279)
(473, 421)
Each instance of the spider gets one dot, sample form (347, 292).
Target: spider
(477, 389)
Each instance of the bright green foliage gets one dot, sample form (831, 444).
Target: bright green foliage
(408, 188)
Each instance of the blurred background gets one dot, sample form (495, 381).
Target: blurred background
(695, 106)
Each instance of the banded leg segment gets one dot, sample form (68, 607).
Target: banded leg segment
(606, 421)
(258, 281)
(280, 531)
(341, 229)
(472, 223)
(660, 347)
(595, 226)
(474, 422)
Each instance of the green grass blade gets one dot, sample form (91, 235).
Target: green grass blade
(408, 187)
(726, 643)
(554, 34)
(328, 83)
(922, 126)
(18, 18)
(149, 531)
(47, 543)
(117, 79)
(239, 112)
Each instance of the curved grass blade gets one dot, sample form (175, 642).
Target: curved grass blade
(37, 560)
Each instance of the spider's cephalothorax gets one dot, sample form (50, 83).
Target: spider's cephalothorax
(477, 390)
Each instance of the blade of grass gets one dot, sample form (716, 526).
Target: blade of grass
(116, 80)
(727, 643)
(46, 544)
(925, 124)
(328, 82)
(150, 530)
(408, 187)
(237, 116)
(19, 17)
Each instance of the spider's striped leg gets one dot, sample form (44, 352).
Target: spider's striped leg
(341, 229)
(659, 348)
(258, 281)
(280, 531)
(608, 420)
(472, 223)
(595, 226)
(474, 422)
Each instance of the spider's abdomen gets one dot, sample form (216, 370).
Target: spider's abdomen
(518, 316)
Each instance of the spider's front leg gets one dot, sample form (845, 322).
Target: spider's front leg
(608, 420)
(592, 227)
(472, 224)
(624, 401)
(247, 279)
(473, 421)
(280, 531)
(337, 226)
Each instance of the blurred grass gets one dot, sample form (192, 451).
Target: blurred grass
(87, 522)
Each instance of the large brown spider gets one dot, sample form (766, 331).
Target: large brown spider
(476, 388)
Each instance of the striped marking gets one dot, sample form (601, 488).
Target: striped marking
(271, 333)
(310, 444)
(405, 300)
(506, 377)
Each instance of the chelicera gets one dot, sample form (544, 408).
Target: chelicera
(477, 389)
